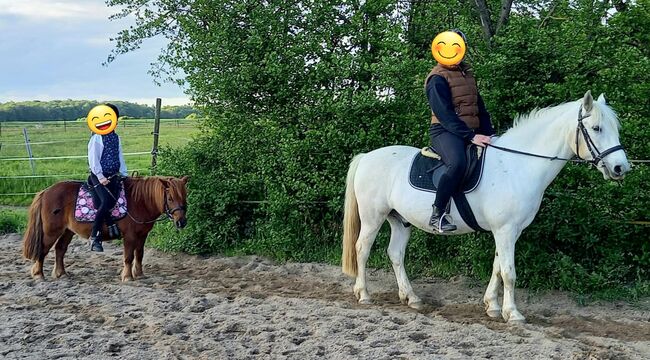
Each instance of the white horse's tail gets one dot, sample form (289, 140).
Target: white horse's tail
(351, 222)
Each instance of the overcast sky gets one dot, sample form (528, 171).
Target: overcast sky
(54, 49)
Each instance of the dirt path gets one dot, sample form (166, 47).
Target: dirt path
(247, 307)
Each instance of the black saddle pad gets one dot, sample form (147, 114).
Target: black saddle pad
(425, 172)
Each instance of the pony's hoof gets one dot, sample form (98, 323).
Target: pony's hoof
(126, 279)
(493, 313)
(365, 302)
(416, 305)
(38, 277)
(59, 275)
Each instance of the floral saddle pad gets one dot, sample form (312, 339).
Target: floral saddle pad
(85, 210)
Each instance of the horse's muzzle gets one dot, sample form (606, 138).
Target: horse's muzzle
(181, 223)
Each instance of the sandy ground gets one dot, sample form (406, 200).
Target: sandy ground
(247, 308)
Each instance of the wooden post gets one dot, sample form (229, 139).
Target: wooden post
(156, 132)
(29, 149)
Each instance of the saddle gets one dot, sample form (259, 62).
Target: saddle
(85, 210)
(427, 167)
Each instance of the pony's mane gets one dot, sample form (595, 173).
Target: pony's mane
(151, 188)
(601, 114)
(145, 189)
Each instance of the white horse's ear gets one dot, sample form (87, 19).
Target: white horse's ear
(601, 99)
(588, 101)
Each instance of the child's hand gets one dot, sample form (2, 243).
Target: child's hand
(104, 181)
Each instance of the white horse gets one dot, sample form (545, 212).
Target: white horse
(504, 203)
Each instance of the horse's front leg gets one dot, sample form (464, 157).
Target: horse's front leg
(137, 264)
(492, 307)
(399, 237)
(505, 239)
(129, 247)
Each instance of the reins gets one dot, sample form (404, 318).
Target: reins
(580, 129)
(160, 217)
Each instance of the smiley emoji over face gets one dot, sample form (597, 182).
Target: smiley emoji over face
(448, 48)
(102, 119)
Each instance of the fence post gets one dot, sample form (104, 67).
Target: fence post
(29, 149)
(156, 132)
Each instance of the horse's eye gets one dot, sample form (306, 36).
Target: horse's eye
(596, 128)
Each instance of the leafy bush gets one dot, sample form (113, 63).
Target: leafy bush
(292, 91)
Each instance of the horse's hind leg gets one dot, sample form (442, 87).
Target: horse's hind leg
(399, 237)
(37, 268)
(490, 299)
(59, 250)
(370, 225)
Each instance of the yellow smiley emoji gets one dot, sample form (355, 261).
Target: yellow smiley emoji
(448, 48)
(102, 119)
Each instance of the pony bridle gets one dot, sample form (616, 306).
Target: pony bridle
(596, 155)
(170, 212)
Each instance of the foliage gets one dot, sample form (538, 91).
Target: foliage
(12, 221)
(292, 90)
(78, 109)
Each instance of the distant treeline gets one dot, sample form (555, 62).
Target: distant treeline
(74, 109)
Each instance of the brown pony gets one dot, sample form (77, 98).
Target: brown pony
(52, 220)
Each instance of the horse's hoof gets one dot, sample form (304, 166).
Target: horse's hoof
(514, 318)
(493, 313)
(38, 277)
(417, 305)
(365, 302)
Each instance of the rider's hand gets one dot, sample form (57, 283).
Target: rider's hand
(104, 181)
(480, 140)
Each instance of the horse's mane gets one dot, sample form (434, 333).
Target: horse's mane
(152, 188)
(145, 189)
(601, 113)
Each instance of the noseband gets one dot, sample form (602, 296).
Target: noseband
(595, 153)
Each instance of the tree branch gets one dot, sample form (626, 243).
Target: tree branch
(506, 5)
(486, 23)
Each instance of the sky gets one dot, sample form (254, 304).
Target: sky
(54, 49)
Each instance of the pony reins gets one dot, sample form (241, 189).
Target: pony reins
(580, 129)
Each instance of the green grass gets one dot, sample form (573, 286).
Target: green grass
(69, 139)
(13, 220)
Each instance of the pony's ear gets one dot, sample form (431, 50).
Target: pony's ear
(601, 99)
(164, 182)
(185, 179)
(588, 101)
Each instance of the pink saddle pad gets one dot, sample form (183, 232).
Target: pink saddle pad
(85, 210)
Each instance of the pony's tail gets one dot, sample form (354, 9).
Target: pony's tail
(351, 222)
(33, 238)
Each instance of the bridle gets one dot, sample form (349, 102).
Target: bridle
(170, 212)
(597, 155)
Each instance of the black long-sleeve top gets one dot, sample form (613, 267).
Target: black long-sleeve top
(439, 95)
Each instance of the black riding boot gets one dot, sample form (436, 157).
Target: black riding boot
(96, 242)
(439, 222)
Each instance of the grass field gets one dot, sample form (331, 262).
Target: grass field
(57, 138)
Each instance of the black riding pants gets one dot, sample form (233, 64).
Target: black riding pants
(107, 196)
(452, 150)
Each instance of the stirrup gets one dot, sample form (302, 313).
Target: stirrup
(114, 232)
